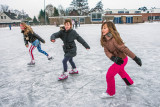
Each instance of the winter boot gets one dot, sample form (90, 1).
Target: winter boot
(73, 71)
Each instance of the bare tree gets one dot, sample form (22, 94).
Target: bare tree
(61, 10)
(50, 10)
(5, 8)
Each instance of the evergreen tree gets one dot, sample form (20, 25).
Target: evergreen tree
(41, 17)
(35, 21)
(143, 8)
(98, 7)
(56, 12)
(47, 18)
(80, 5)
(28, 18)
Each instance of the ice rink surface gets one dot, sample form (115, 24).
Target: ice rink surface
(23, 86)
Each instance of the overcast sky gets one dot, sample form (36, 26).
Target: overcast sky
(32, 7)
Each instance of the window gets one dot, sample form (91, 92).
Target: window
(99, 16)
(108, 12)
(157, 17)
(1, 17)
(120, 11)
(150, 17)
(137, 11)
(93, 16)
(81, 19)
(96, 17)
(74, 19)
(126, 11)
(4, 17)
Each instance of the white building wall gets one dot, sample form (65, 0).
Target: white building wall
(155, 10)
(131, 11)
(7, 20)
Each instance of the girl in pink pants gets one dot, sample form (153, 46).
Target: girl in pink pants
(112, 71)
(116, 51)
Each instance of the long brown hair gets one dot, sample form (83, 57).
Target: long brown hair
(112, 29)
(27, 28)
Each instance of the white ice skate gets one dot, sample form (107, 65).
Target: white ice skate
(73, 71)
(106, 95)
(63, 76)
(49, 57)
(31, 63)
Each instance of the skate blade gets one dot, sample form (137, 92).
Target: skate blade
(73, 73)
(62, 79)
(31, 65)
(51, 59)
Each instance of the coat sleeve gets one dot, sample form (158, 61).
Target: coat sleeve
(108, 54)
(38, 37)
(25, 41)
(55, 35)
(124, 49)
(81, 40)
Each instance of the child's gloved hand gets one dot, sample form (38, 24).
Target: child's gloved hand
(53, 40)
(138, 61)
(27, 45)
(44, 42)
(117, 60)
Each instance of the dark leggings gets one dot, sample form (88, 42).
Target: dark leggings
(70, 59)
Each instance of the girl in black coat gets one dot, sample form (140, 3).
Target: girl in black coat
(68, 35)
(34, 39)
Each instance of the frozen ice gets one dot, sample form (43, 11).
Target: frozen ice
(38, 86)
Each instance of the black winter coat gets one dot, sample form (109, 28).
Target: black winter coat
(31, 38)
(68, 38)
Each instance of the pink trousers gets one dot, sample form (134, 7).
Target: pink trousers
(112, 71)
(31, 52)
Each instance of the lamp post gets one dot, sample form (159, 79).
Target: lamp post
(151, 14)
(44, 13)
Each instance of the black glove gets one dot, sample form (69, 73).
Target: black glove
(22, 31)
(117, 60)
(138, 61)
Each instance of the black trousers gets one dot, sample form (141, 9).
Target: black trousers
(70, 59)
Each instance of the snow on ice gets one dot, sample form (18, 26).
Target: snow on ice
(23, 86)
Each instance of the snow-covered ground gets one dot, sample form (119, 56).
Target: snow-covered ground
(23, 86)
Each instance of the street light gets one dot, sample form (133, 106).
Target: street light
(151, 14)
(44, 13)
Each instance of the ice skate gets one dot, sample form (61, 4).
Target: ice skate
(49, 57)
(106, 95)
(63, 76)
(31, 63)
(73, 71)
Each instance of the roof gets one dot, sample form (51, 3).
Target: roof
(68, 17)
(10, 15)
